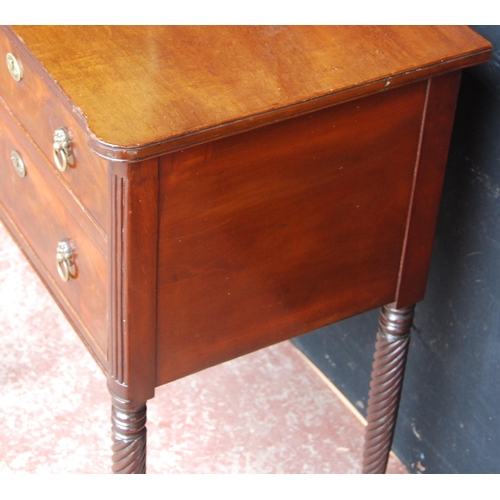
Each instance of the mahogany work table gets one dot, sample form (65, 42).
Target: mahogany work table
(191, 194)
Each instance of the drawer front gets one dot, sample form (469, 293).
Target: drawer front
(42, 213)
(41, 114)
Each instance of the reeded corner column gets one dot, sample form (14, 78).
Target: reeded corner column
(132, 261)
(391, 351)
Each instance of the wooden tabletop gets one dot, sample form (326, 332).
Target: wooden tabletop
(144, 90)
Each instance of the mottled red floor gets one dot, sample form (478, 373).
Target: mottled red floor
(268, 412)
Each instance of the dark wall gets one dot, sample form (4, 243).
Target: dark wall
(449, 420)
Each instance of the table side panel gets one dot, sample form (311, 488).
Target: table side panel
(272, 233)
(436, 135)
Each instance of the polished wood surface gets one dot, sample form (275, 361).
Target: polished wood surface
(261, 182)
(391, 351)
(133, 271)
(41, 112)
(284, 229)
(145, 90)
(43, 212)
(429, 175)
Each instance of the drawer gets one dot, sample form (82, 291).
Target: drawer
(41, 113)
(42, 212)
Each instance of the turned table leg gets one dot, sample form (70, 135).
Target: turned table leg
(391, 350)
(129, 436)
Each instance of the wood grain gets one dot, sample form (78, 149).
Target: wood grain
(264, 181)
(145, 90)
(40, 209)
(284, 229)
(429, 176)
(41, 112)
(132, 257)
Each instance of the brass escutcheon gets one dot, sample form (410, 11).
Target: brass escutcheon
(62, 149)
(18, 163)
(15, 67)
(63, 257)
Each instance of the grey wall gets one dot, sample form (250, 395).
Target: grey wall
(449, 420)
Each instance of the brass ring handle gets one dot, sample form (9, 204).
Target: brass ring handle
(18, 163)
(15, 67)
(61, 149)
(63, 270)
(63, 256)
(60, 159)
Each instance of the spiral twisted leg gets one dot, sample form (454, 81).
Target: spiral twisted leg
(391, 350)
(129, 437)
